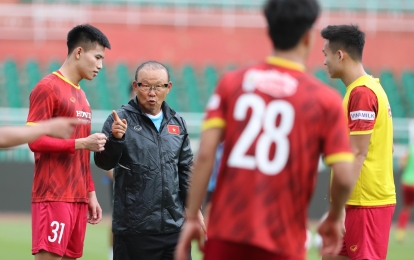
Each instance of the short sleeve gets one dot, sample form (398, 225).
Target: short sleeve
(335, 138)
(362, 111)
(216, 108)
(42, 104)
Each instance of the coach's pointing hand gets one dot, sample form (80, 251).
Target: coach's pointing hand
(119, 126)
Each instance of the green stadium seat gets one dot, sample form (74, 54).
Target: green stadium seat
(191, 87)
(389, 84)
(53, 66)
(211, 79)
(12, 84)
(174, 97)
(322, 75)
(102, 88)
(408, 85)
(123, 87)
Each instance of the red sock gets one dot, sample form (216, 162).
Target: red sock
(403, 218)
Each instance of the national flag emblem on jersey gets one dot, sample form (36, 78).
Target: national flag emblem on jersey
(173, 129)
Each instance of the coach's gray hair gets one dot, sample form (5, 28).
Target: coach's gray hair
(154, 65)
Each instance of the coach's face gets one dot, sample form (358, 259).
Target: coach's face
(151, 88)
(332, 61)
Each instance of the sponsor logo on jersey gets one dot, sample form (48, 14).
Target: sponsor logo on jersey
(72, 99)
(83, 114)
(272, 82)
(137, 128)
(362, 115)
(353, 248)
(173, 129)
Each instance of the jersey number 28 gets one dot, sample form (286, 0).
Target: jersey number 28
(263, 117)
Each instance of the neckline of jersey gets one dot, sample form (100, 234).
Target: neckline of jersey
(355, 82)
(285, 63)
(66, 80)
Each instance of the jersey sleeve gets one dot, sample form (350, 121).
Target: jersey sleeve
(362, 111)
(335, 138)
(216, 107)
(42, 104)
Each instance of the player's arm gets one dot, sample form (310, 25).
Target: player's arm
(362, 113)
(114, 128)
(338, 155)
(59, 127)
(43, 101)
(359, 144)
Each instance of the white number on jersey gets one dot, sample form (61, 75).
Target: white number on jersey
(55, 231)
(262, 117)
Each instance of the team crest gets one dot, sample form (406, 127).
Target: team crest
(353, 248)
(173, 129)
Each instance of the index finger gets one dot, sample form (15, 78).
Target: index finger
(115, 115)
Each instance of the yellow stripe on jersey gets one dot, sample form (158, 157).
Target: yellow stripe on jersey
(339, 157)
(214, 122)
(375, 185)
(66, 80)
(285, 63)
(362, 132)
(31, 123)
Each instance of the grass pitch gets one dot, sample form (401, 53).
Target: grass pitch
(15, 242)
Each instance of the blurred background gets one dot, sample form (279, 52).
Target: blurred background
(198, 40)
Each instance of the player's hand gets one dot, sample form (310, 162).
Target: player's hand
(95, 210)
(190, 231)
(201, 221)
(95, 142)
(331, 231)
(119, 126)
(60, 127)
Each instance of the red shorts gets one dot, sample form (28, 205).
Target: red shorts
(367, 232)
(408, 194)
(59, 228)
(216, 249)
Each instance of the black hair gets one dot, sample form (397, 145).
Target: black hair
(288, 20)
(153, 65)
(86, 36)
(347, 37)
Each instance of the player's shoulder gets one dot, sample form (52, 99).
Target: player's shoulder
(48, 82)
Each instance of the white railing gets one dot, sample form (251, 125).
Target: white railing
(403, 127)
(41, 22)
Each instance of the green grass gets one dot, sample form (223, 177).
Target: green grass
(15, 242)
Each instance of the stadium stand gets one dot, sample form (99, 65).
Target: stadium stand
(400, 6)
(191, 86)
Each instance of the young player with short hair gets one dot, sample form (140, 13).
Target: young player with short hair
(371, 205)
(63, 190)
(275, 121)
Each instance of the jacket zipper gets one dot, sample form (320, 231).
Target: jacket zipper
(162, 186)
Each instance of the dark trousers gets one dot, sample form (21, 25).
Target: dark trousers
(146, 247)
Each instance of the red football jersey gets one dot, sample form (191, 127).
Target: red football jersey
(64, 175)
(277, 122)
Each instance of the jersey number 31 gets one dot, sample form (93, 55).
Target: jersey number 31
(263, 117)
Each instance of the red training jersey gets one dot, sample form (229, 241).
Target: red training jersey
(277, 122)
(61, 172)
(363, 108)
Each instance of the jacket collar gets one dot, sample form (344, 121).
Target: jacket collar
(133, 106)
